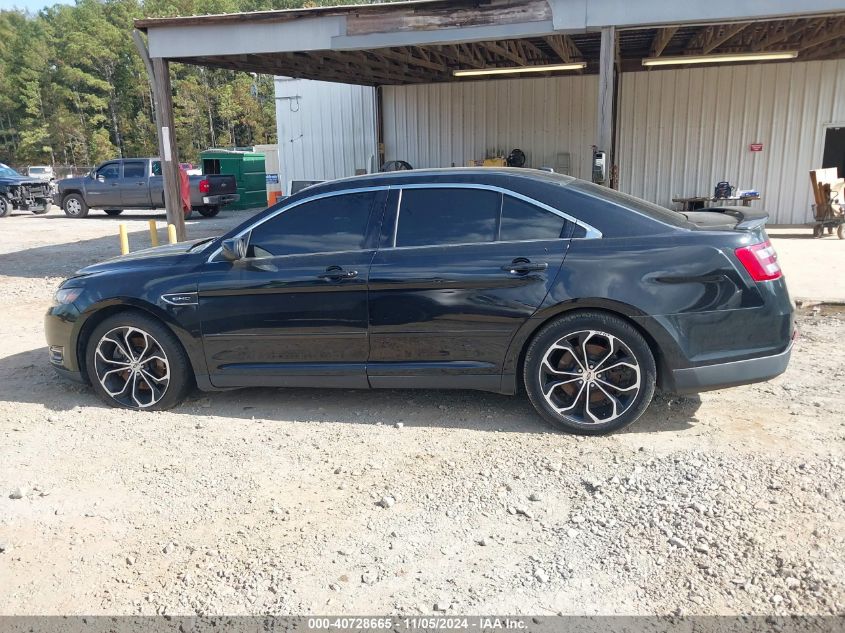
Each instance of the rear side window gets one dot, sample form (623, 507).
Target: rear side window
(133, 170)
(648, 209)
(336, 223)
(524, 221)
(433, 217)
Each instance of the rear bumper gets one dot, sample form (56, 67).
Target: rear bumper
(722, 375)
(219, 201)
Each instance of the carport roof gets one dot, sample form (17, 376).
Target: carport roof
(426, 40)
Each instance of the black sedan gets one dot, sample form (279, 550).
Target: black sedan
(490, 279)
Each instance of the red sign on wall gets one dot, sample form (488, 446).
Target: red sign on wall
(756, 147)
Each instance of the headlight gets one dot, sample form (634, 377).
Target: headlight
(64, 296)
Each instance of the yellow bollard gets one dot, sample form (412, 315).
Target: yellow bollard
(171, 233)
(124, 240)
(153, 233)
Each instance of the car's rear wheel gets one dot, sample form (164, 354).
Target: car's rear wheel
(5, 207)
(589, 373)
(135, 362)
(114, 211)
(208, 212)
(74, 206)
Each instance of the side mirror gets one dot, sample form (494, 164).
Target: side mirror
(101, 178)
(234, 248)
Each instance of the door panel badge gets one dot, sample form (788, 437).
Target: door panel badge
(180, 298)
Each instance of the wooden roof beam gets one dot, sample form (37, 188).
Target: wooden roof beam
(789, 30)
(504, 50)
(662, 39)
(408, 58)
(564, 47)
(831, 31)
(830, 50)
(727, 33)
(712, 37)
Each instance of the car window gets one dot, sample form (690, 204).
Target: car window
(431, 217)
(524, 221)
(109, 172)
(133, 170)
(156, 168)
(336, 223)
(649, 209)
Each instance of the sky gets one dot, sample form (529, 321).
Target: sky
(32, 6)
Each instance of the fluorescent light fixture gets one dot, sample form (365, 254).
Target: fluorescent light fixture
(720, 57)
(474, 72)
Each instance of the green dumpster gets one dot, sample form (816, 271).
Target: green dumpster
(248, 170)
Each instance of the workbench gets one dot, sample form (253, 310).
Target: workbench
(699, 202)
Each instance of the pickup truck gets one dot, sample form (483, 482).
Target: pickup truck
(137, 183)
(19, 192)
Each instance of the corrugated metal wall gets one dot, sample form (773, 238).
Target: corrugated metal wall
(438, 125)
(325, 130)
(682, 131)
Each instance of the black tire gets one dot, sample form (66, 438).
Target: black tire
(5, 207)
(164, 352)
(74, 206)
(208, 212)
(623, 394)
(113, 212)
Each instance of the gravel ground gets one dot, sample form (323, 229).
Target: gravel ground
(303, 501)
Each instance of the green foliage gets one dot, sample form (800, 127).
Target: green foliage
(74, 90)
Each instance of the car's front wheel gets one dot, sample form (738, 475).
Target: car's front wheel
(135, 362)
(74, 206)
(5, 207)
(589, 373)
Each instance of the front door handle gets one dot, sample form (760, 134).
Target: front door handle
(335, 273)
(522, 265)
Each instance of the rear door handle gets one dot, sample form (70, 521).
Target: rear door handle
(522, 265)
(335, 273)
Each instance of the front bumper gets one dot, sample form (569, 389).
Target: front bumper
(61, 340)
(219, 201)
(722, 375)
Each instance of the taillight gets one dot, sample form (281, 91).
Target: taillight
(205, 186)
(760, 260)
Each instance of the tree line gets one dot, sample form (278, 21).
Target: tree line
(74, 91)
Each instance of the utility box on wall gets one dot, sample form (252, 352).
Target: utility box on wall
(248, 170)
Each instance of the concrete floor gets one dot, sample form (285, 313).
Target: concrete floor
(814, 268)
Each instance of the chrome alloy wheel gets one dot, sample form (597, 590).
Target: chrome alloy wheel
(132, 367)
(590, 377)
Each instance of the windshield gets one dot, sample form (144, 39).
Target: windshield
(7, 171)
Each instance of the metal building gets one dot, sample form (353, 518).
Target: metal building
(662, 132)
(325, 130)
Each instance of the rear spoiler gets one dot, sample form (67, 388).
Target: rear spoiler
(747, 219)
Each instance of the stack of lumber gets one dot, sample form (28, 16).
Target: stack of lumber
(828, 190)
